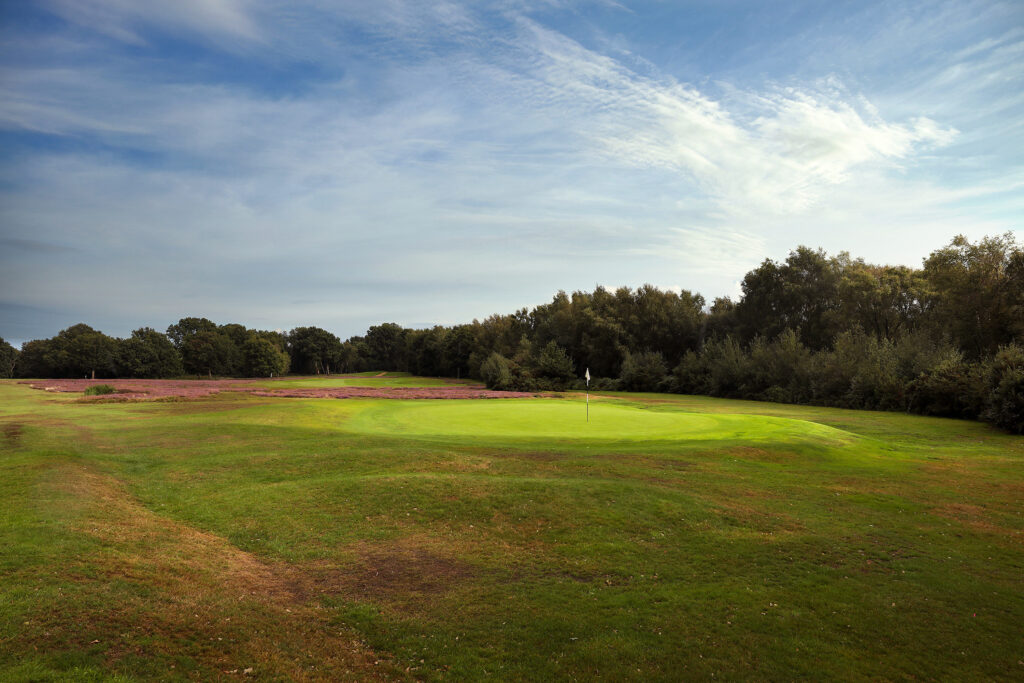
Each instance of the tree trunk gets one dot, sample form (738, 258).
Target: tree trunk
(94, 374)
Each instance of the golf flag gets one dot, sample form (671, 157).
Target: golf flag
(587, 375)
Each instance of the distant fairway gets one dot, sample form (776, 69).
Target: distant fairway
(671, 537)
(557, 419)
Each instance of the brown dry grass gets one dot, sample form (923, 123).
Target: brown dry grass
(391, 572)
(236, 611)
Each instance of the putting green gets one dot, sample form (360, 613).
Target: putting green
(566, 420)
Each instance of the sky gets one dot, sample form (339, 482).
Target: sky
(346, 163)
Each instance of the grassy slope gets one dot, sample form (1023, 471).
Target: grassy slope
(669, 537)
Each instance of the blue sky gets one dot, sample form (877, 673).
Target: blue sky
(348, 163)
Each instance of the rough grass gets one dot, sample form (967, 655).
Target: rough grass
(671, 537)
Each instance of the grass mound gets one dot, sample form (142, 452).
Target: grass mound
(100, 390)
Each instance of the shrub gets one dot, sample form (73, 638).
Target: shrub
(1006, 382)
(691, 375)
(554, 364)
(604, 384)
(952, 387)
(780, 370)
(643, 371)
(728, 366)
(496, 373)
(100, 390)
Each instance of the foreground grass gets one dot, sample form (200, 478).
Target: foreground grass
(669, 537)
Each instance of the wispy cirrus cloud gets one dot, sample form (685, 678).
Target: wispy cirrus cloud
(126, 20)
(474, 148)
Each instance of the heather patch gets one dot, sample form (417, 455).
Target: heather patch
(142, 389)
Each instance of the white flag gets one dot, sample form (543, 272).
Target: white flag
(587, 375)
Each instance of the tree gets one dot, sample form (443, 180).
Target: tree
(721, 320)
(885, 301)
(314, 350)
(459, 345)
(81, 351)
(496, 373)
(34, 360)
(188, 327)
(643, 371)
(554, 364)
(209, 353)
(1006, 382)
(239, 336)
(263, 358)
(976, 292)
(425, 351)
(800, 294)
(353, 356)
(8, 359)
(386, 344)
(148, 354)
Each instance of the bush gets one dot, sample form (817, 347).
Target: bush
(729, 368)
(554, 364)
(780, 370)
(643, 371)
(604, 384)
(496, 372)
(953, 387)
(1006, 381)
(100, 390)
(691, 375)
(263, 358)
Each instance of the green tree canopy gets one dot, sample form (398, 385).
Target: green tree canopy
(188, 327)
(210, 353)
(148, 354)
(314, 350)
(8, 359)
(263, 358)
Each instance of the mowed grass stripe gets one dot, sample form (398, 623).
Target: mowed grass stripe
(537, 419)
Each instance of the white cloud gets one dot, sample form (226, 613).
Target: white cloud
(122, 19)
(507, 162)
(779, 153)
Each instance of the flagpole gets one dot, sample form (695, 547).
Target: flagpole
(588, 394)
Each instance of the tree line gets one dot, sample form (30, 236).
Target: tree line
(944, 339)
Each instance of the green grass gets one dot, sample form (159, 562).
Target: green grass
(670, 537)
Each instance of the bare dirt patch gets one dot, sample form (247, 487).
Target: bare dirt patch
(13, 432)
(400, 569)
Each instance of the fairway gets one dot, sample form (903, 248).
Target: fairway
(671, 537)
(539, 420)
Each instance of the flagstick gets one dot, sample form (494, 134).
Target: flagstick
(588, 394)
